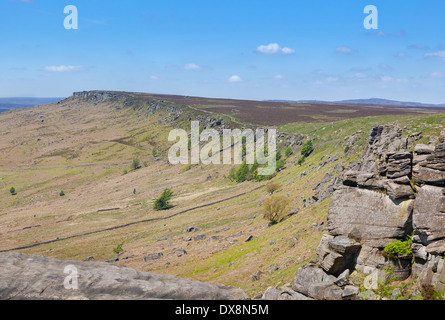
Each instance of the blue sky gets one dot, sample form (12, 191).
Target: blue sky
(282, 49)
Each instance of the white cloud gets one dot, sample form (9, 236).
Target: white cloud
(437, 75)
(274, 48)
(278, 77)
(401, 55)
(154, 78)
(359, 75)
(332, 79)
(191, 66)
(435, 55)
(235, 78)
(386, 78)
(63, 68)
(345, 50)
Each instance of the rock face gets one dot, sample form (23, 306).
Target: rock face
(368, 215)
(35, 277)
(388, 195)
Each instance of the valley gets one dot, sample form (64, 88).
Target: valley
(77, 197)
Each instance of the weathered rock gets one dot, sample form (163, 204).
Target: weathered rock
(337, 254)
(399, 191)
(423, 149)
(36, 277)
(398, 164)
(199, 237)
(153, 256)
(368, 214)
(436, 161)
(283, 293)
(370, 258)
(370, 181)
(332, 293)
(311, 281)
(350, 178)
(343, 279)
(180, 252)
(436, 247)
(350, 292)
(401, 180)
(428, 221)
(422, 175)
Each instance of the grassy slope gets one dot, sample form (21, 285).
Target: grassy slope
(83, 150)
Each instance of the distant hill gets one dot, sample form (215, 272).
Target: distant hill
(372, 101)
(21, 103)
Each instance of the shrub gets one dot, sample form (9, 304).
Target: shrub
(232, 174)
(241, 174)
(136, 164)
(154, 152)
(12, 191)
(301, 160)
(398, 249)
(288, 152)
(272, 187)
(61, 193)
(307, 148)
(274, 208)
(118, 248)
(162, 203)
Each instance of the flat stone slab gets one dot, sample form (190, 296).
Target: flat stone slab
(35, 277)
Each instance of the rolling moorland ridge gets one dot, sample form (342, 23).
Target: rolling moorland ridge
(363, 220)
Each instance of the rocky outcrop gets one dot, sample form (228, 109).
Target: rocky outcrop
(36, 277)
(388, 195)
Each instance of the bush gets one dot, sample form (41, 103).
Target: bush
(398, 249)
(307, 148)
(301, 160)
(288, 152)
(118, 248)
(232, 174)
(162, 203)
(12, 191)
(272, 187)
(274, 208)
(242, 174)
(61, 193)
(136, 164)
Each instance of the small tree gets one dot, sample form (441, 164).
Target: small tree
(307, 148)
(272, 187)
(232, 174)
(162, 203)
(274, 208)
(118, 248)
(288, 152)
(12, 191)
(301, 160)
(136, 164)
(242, 173)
